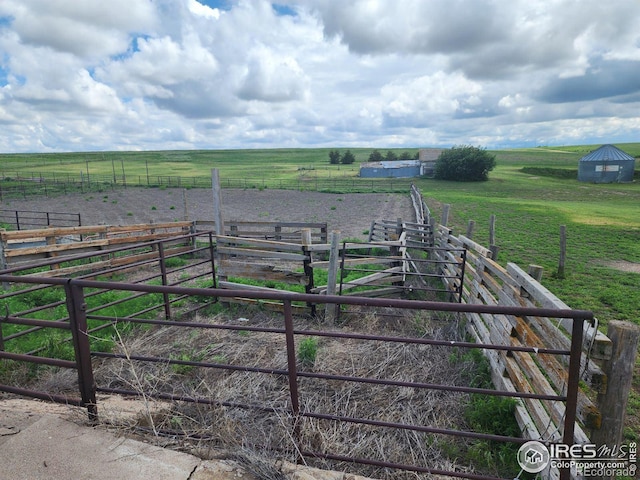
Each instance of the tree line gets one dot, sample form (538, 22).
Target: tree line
(335, 157)
(462, 163)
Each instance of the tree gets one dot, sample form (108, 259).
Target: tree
(334, 157)
(405, 156)
(348, 158)
(391, 156)
(464, 164)
(375, 156)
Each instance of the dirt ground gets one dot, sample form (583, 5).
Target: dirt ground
(351, 214)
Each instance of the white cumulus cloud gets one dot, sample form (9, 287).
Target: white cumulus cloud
(153, 74)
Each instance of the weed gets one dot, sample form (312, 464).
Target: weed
(191, 356)
(489, 414)
(175, 262)
(308, 351)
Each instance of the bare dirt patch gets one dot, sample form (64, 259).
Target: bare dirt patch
(351, 213)
(623, 266)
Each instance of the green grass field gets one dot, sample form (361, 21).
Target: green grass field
(602, 220)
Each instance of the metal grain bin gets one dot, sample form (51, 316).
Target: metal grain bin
(607, 164)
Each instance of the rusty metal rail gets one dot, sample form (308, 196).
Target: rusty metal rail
(79, 316)
(21, 219)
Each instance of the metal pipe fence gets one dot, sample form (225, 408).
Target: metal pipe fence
(76, 291)
(29, 184)
(27, 219)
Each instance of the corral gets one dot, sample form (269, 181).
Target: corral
(549, 398)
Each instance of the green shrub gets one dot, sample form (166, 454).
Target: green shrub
(464, 164)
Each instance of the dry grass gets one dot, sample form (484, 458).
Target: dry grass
(258, 436)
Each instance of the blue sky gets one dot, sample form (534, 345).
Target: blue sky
(180, 74)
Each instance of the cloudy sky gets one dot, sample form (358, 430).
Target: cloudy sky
(78, 75)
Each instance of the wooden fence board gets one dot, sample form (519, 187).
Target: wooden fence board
(221, 241)
(360, 261)
(63, 247)
(258, 271)
(602, 347)
(266, 254)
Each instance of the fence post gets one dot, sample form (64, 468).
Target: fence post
(332, 275)
(77, 308)
(217, 201)
(371, 230)
(619, 371)
(3, 258)
(492, 238)
(535, 271)
(470, 227)
(163, 272)
(1, 336)
(292, 371)
(308, 269)
(445, 214)
(212, 253)
(185, 204)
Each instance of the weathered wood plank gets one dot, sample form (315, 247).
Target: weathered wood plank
(543, 422)
(256, 271)
(131, 240)
(63, 247)
(499, 378)
(470, 244)
(221, 241)
(360, 261)
(601, 343)
(266, 254)
(242, 286)
(554, 338)
(62, 272)
(557, 374)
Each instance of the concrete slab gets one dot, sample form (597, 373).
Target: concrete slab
(55, 449)
(45, 441)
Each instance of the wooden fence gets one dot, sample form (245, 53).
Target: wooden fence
(276, 262)
(488, 283)
(278, 231)
(30, 247)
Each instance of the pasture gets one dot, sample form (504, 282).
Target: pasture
(602, 221)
